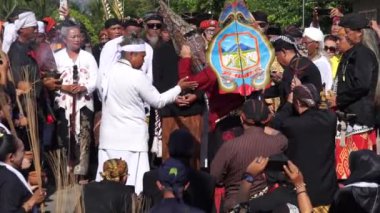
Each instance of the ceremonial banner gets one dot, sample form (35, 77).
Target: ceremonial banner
(240, 54)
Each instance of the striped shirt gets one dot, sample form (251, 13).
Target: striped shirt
(234, 156)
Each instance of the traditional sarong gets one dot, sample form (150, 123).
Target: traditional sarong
(193, 124)
(357, 138)
(79, 153)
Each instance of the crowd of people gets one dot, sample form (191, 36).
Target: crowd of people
(138, 125)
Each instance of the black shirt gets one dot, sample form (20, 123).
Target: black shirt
(173, 205)
(200, 192)
(22, 63)
(108, 196)
(304, 69)
(165, 76)
(13, 193)
(357, 77)
(311, 147)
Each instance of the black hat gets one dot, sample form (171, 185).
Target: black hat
(293, 31)
(152, 16)
(260, 16)
(181, 144)
(354, 21)
(284, 42)
(256, 110)
(173, 173)
(274, 30)
(112, 21)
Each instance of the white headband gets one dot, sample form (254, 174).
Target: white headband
(26, 19)
(132, 48)
(41, 27)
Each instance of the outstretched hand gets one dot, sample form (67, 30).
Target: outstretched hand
(185, 84)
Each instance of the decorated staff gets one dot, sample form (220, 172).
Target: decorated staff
(184, 33)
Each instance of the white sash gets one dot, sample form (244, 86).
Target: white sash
(363, 184)
(105, 81)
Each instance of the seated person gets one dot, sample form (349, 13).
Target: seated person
(361, 191)
(111, 194)
(173, 180)
(200, 193)
(15, 193)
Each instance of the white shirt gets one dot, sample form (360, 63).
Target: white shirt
(87, 72)
(110, 56)
(123, 124)
(324, 67)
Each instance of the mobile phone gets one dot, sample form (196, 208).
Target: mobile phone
(276, 165)
(62, 4)
(323, 11)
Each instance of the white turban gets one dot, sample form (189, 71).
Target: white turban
(41, 27)
(26, 19)
(10, 35)
(314, 34)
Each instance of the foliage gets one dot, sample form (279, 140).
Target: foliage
(84, 19)
(91, 12)
(289, 12)
(41, 8)
(7, 8)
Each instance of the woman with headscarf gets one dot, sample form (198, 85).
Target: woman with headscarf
(15, 193)
(311, 135)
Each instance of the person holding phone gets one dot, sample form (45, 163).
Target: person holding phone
(295, 177)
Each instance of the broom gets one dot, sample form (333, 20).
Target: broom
(33, 138)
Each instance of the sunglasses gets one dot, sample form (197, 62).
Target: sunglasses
(154, 26)
(331, 49)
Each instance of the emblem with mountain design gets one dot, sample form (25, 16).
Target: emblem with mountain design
(241, 56)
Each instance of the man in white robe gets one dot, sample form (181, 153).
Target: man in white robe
(110, 56)
(124, 131)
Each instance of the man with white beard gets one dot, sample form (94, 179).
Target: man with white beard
(153, 25)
